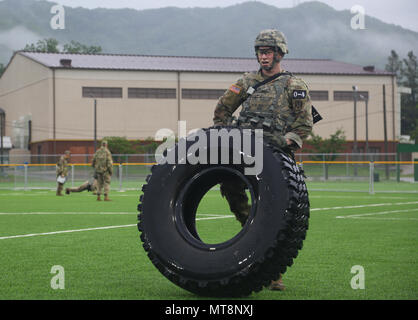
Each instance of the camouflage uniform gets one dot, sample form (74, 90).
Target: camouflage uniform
(89, 185)
(280, 107)
(62, 168)
(103, 165)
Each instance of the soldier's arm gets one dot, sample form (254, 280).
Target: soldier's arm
(229, 102)
(110, 163)
(300, 129)
(59, 167)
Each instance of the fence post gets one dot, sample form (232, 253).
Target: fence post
(25, 166)
(120, 176)
(15, 176)
(371, 182)
(72, 176)
(398, 169)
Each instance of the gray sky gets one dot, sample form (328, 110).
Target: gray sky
(399, 12)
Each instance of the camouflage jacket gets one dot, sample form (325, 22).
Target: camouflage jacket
(62, 166)
(281, 107)
(102, 161)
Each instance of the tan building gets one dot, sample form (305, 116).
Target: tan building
(48, 98)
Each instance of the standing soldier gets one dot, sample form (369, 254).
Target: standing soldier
(62, 171)
(103, 166)
(280, 106)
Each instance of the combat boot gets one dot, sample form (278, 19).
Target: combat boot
(106, 198)
(277, 285)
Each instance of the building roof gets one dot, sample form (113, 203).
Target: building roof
(192, 64)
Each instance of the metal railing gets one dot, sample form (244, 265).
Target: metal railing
(341, 174)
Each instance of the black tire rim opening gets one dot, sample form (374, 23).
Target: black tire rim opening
(191, 194)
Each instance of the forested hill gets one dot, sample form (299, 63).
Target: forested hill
(313, 29)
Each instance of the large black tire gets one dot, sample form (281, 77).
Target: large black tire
(267, 244)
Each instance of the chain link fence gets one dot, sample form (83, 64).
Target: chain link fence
(327, 172)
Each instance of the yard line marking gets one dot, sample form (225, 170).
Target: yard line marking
(65, 231)
(366, 205)
(91, 229)
(68, 213)
(99, 213)
(215, 215)
(355, 197)
(361, 215)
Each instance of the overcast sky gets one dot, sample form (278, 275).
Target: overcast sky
(400, 12)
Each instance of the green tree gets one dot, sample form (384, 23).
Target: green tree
(409, 102)
(2, 68)
(327, 147)
(119, 146)
(45, 45)
(394, 65)
(77, 47)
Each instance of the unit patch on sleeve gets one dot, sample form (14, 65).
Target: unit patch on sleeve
(235, 89)
(299, 94)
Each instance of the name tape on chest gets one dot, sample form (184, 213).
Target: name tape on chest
(299, 94)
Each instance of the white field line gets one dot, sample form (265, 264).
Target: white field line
(91, 229)
(211, 215)
(207, 218)
(65, 213)
(366, 206)
(365, 215)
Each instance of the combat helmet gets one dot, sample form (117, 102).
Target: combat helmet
(271, 38)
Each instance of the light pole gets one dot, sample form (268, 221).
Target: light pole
(95, 125)
(366, 100)
(2, 122)
(355, 119)
(94, 120)
(355, 126)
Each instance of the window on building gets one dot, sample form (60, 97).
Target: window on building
(102, 92)
(212, 94)
(151, 93)
(349, 95)
(321, 95)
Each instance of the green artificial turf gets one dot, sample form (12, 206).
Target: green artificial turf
(380, 235)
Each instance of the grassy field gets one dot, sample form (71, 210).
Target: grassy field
(98, 245)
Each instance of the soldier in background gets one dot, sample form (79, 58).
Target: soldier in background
(62, 171)
(103, 166)
(281, 107)
(89, 185)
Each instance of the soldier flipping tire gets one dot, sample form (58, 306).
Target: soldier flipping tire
(267, 244)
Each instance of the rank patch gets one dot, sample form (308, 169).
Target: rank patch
(299, 94)
(235, 89)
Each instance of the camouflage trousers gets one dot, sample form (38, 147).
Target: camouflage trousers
(103, 183)
(234, 192)
(85, 186)
(60, 187)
